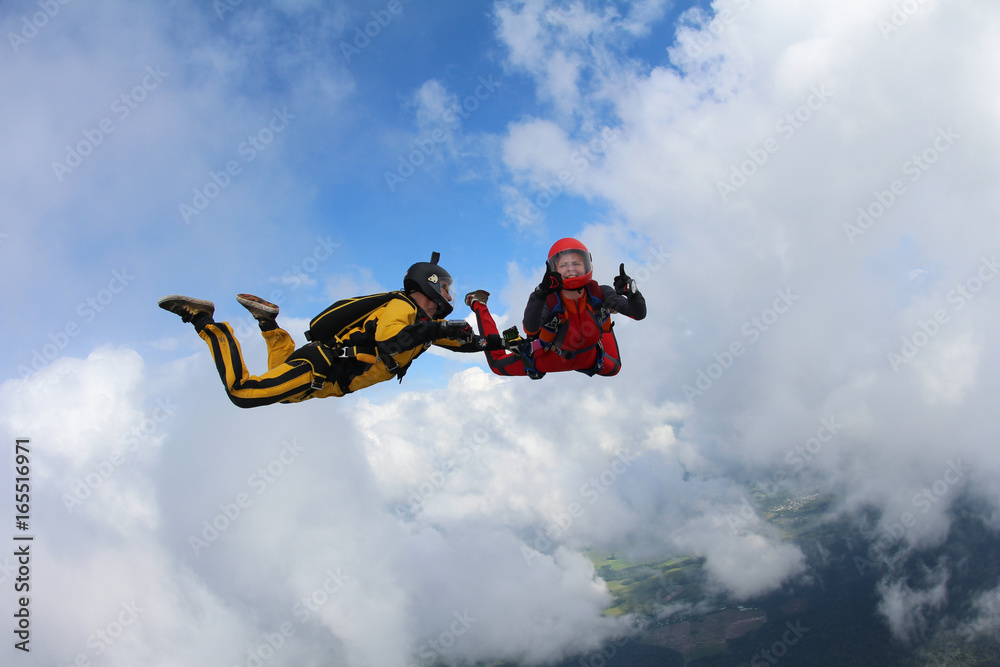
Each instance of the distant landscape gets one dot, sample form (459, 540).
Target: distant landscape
(830, 620)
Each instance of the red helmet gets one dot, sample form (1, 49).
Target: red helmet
(567, 246)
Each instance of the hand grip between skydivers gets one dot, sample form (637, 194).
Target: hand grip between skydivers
(459, 330)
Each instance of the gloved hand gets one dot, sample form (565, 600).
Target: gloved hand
(625, 285)
(551, 283)
(459, 330)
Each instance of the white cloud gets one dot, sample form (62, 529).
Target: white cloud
(753, 158)
(368, 572)
(404, 514)
(905, 607)
(745, 558)
(111, 585)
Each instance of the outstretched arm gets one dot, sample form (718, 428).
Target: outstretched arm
(459, 337)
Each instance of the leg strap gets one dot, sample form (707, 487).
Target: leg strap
(321, 358)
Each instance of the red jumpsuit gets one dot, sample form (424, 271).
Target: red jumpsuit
(575, 344)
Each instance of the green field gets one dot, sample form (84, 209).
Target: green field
(638, 587)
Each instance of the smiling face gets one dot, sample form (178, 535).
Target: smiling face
(571, 260)
(571, 265)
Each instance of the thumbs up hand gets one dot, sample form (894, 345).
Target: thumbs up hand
(624, 285)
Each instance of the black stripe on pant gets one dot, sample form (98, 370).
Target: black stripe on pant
(250, 391)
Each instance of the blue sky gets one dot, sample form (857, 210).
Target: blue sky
(806, 193)
(325, 175)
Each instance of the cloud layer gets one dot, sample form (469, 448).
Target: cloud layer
(806, 194)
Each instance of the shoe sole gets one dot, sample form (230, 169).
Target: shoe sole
(201, 304)
(257, 304)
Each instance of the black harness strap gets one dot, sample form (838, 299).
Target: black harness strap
(320, 357)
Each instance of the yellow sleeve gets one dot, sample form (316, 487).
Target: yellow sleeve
(392, 317)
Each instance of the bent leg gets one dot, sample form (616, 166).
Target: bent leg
(501, 362)
(279, 347)
(612, 357)
(550, 361)
(249, 391)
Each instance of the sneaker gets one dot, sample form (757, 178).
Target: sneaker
(186, 307)
(479, 295)
(261, 310)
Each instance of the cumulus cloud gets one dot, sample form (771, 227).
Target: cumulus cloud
(357, 560)
(809, 198)
(904, 606)
(744, 557)
(112, 584)
(800, 290)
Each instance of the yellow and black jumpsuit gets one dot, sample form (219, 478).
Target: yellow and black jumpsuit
(317, 370)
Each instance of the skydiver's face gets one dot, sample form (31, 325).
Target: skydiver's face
(446, 291)
(571, 265)
(425, 304)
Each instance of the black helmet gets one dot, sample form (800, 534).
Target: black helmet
(432, 281)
